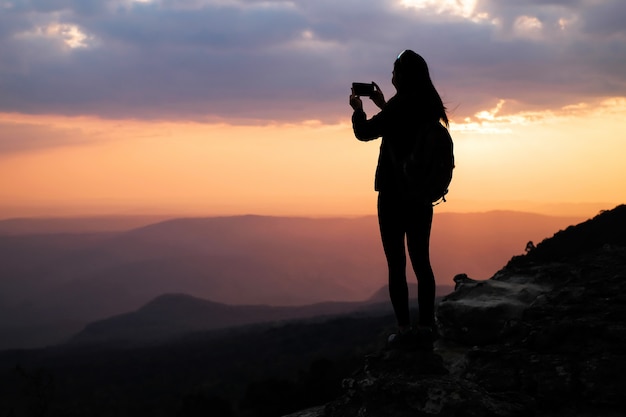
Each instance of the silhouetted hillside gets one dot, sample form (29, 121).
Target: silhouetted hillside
(245, 372)
(545, 337)
(607, 228)
(173, 315)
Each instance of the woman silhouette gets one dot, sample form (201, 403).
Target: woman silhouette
(402, 214)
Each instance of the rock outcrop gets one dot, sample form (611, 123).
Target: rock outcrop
(545, 337)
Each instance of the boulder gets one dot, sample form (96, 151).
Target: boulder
(482, 312)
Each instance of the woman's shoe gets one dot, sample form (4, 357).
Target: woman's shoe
(414, 339)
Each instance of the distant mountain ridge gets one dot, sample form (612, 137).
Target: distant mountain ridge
(88, 224)
(51, 279)
(173, 315)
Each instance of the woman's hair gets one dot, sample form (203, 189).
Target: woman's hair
(412, 77)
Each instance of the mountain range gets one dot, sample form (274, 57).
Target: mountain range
(76, 271)
(544, 337)
(174, 315)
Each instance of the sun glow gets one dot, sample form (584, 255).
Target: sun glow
(571, 155)
(498, 121)
(464, 8)
(528, 27)
(72, 36)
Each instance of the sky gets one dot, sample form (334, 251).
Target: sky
(219, 107)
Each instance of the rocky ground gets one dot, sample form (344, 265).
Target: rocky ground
(545, 337)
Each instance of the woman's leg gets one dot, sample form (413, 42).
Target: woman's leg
(392, 232)
(418, 242)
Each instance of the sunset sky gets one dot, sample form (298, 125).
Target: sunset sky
(217, 107)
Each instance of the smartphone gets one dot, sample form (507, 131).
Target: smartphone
(363, 89)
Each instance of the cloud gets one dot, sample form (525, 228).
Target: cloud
(261, 61)
(499, 119)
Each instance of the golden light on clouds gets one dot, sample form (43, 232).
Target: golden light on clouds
(527, 26)
(463, 8)
(568, 155)
(504, 160)
(72, 36)
(495, 121)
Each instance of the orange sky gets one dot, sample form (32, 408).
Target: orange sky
(567, 161)
(242, 107)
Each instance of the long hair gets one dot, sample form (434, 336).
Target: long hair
(413, 78)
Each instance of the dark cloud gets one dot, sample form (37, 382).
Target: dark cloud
(606, 19)
(281, 60)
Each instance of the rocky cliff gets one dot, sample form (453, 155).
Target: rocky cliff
(545, 337)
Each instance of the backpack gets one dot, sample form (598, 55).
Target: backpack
(427, 170)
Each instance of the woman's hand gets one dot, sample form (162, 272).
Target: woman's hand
(355, 101)
(377, 97)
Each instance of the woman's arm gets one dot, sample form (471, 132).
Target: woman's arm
(366, 130)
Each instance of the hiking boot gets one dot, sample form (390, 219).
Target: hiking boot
(414, 339)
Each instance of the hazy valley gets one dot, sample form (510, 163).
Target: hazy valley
(76, 271)
(543, 336)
